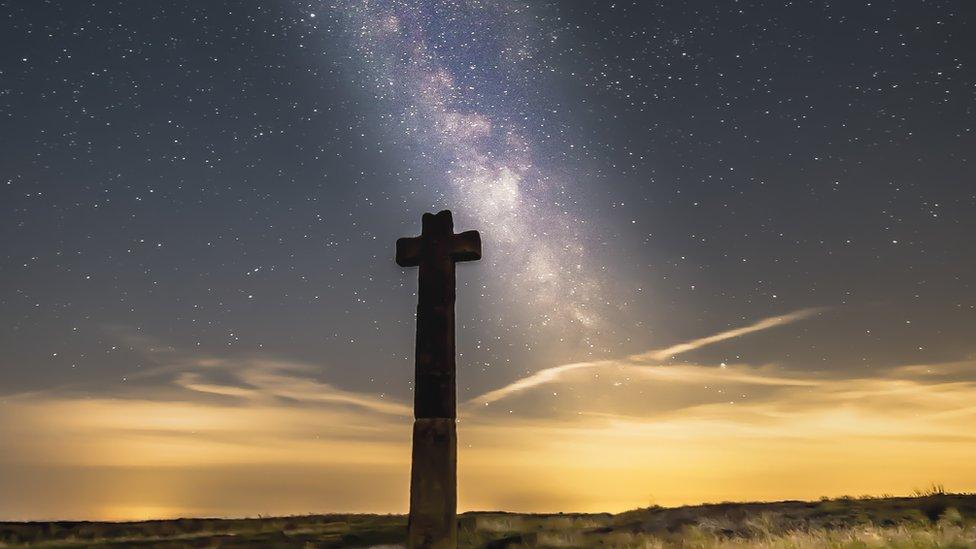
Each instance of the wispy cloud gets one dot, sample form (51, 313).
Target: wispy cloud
(267, 435)
(631, 431)
(764, 324)
(541, 377)
(735, 374)
(549, 375)
(294, 382)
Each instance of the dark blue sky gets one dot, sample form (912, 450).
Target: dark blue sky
(226, 180)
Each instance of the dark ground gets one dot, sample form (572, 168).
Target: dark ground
(936, 520)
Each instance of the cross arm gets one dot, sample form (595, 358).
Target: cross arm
(467, 246)
(408, 250)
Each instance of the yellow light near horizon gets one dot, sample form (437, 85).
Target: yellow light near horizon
(793, 439)
(124, 513)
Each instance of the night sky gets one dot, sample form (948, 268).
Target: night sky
(199, 201)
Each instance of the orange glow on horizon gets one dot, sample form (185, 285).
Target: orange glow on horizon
(788, 437)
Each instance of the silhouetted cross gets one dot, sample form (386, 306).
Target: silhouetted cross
(433, 474)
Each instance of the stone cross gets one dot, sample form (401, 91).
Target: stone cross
(433, 473)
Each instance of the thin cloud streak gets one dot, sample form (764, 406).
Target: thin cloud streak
(764, 324)
(553, 374)
(265, 380)
(539, 378)
(735, 374)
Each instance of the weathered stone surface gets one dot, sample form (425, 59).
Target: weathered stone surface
(433, 484)
(436, 251)
(433, 474)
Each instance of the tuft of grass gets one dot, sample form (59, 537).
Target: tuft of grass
(935, 489)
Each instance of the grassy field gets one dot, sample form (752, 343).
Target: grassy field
(933, 520)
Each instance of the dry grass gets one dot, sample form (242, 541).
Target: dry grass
(933, 519)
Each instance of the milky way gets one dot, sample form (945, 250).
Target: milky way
(455, 113)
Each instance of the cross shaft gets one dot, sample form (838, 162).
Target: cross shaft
(433, 474)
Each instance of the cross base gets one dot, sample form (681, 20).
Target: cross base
(433, 485)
